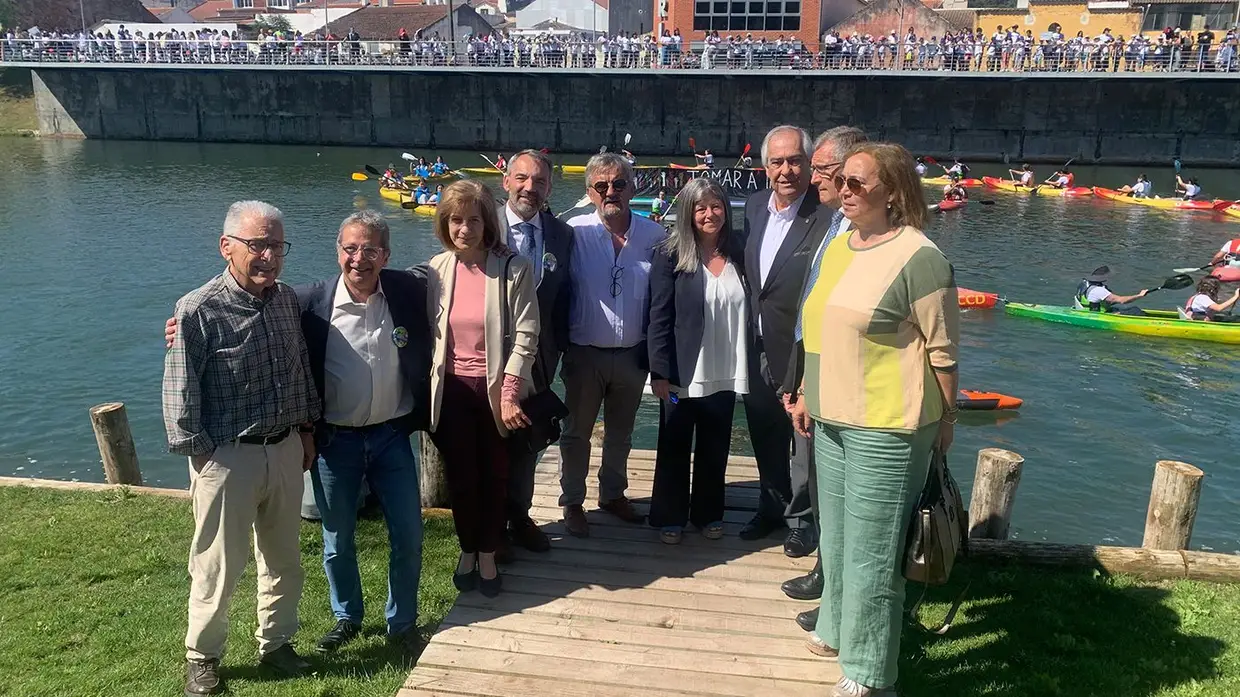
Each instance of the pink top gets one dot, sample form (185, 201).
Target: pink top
(466, 323)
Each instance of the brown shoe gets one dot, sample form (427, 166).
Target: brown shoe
(623, 509)
(575, 521)
(527, 534)
(203, 678)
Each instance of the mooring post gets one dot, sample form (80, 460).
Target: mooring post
(431, 480)
(994, 493)
(1173, 505)
(116, 449)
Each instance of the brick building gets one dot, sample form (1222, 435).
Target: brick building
(882, 17)
(769, 19)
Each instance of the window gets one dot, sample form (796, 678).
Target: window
(243, 4)
(747, 15)
(285, 4)
(1194, 17)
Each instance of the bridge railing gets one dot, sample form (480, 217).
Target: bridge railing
(840, 56)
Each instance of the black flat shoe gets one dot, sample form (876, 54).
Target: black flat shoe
(808, 620)
(490, 587)
(344, 632)
(807, 587)
(465, 582)
(800, 542)
(759, 527)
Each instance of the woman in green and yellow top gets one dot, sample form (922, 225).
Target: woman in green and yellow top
(879, 326)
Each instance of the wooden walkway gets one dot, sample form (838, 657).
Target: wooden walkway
(620, 614)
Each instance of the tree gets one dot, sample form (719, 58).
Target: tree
(273, 22)
(8, 14)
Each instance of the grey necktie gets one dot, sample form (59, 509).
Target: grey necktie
(526, 248)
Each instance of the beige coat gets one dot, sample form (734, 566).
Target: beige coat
(523, 322)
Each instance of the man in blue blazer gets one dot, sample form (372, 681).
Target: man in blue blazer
(367, 333)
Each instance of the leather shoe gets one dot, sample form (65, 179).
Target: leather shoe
(527, 534)
(575, 521)
(800, 542)
(490, 587)
(623, 509)
(285, 660)
(410, 639)
(759, 527)
(203, 678)
(808, 620)
(807, 587)
(341, 634)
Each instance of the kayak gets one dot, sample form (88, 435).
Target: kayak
(1226, 274)
(581, 169)
(972, 400)
(948, 205)
(674, 165)
(976, 299)
(1232, 211)
(1043, 190)
(941, 181)
(483, 171)
(1166, 324)
(395, 195)
(425, 209)
(646, 202)
(1161, 203)
(666, 219)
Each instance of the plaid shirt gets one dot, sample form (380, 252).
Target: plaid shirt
(237, 367)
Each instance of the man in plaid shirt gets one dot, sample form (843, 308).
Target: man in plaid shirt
(240, 403)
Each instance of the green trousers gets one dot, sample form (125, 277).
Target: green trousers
(868, 483)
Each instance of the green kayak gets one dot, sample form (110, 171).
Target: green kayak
(1158, 323)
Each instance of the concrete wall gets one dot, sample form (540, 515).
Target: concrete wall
(1103, 119)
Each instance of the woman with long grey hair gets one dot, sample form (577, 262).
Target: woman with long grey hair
(698, 359)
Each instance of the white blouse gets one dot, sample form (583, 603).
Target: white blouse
(723, 362)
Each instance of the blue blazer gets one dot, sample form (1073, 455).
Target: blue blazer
(406, 298)
(677, 314)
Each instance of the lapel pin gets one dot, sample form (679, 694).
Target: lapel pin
(400, 337)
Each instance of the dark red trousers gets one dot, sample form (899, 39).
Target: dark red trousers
(475, 462)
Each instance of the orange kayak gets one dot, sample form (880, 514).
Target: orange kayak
(1171, 204)
(971, 400)
(976, 299)
(1037, 190)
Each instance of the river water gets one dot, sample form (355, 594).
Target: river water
(100, 238)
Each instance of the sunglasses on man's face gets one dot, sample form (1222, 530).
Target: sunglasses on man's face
(617, 185)
(854, 184)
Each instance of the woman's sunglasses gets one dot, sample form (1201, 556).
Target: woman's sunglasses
(854, 184)
(617, 184)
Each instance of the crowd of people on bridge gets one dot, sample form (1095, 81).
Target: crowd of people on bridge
(826, 311)
(1006, 49)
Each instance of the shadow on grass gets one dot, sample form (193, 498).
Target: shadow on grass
(1031, 631)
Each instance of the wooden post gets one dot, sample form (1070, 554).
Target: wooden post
(120, 459)
(994, 493)
(1173, 505)
(431, 480)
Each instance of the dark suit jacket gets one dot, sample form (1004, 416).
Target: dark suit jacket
(406, 297)
(775, 300)
(677, 315)
(554, 295)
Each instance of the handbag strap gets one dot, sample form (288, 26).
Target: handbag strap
(503, 307)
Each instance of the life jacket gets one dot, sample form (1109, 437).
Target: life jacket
(1083, 301)
(1071, 180)
(1188, 309)
(1233, 250)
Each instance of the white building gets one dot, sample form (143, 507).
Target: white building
(587, 15)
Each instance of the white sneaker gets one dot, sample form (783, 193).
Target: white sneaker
(851, 688)
(818, 647)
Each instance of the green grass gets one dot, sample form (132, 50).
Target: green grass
(93, 590)
(16, 103)
(1033, 631)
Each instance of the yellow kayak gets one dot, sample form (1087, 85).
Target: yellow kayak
(1233, 212)
(425, 209)
(394, 195)
(481, 171)
(942, 181)
(1037, 190)
(581, 169)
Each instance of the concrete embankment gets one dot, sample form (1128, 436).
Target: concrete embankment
(1103, 119)
(17, 112)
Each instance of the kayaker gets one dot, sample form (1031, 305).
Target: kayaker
(957, 167)
(500, 163)
(658, 207)
(1061, 179)
(434, 198)
(440, 167)
(1142, 188)
(1190, 188)
(921, 167)
(954, 191)
(392, 178)
(1094, 295)
(422, 171)
(421, 194)
(1229, 253)
(747, 161)
(1022, 176)
(629, 156)
(1204, 304)
(707, 158)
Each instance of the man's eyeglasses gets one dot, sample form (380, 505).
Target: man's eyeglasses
(826, 170)
(617, 272)
(617, 184)
(854, 185)
(258, 246)
(368, 253)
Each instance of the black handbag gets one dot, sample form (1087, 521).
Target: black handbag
(544, 408)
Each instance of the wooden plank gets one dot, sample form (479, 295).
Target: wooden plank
(678, 659)
(651, 547)
(659, 568)
(733, 497)
(785, 609)
(600, 630)
(731, 478)
(739, 514)
(691, 540)
(439, 682)
(608, 578)
(634, 614)
(552, 455)
(572, 668)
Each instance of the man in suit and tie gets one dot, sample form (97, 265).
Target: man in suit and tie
(783, 227)
(547, 243)
(367, 333)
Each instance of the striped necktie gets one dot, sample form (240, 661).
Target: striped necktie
(816, 265)
(527, 239)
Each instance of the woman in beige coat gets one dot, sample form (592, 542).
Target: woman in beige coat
(478, 375)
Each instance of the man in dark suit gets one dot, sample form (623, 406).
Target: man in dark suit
(783, 227)
(547, 243)
(367, 333)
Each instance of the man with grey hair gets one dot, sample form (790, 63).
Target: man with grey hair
(368, 335)
(783, 226)
(238, 401)
(606, 362)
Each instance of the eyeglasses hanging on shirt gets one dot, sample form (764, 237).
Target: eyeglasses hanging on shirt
(617, 272)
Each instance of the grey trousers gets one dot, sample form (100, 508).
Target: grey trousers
(614, 380)
(802, 511)
(521, 464)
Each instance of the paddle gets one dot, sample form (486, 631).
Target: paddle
(744, 152)
(1199, 268)
(373, 171)
(359, 177)
(1177, 164)
(628, 138)
(493, 166)
(581, 202)
(1176, 282)
(408, 156)
(411, 204)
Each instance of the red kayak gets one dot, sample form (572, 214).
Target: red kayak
(950, 205)
(976, 299)
(972, 400)
(1227, 274)
(674, 165)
